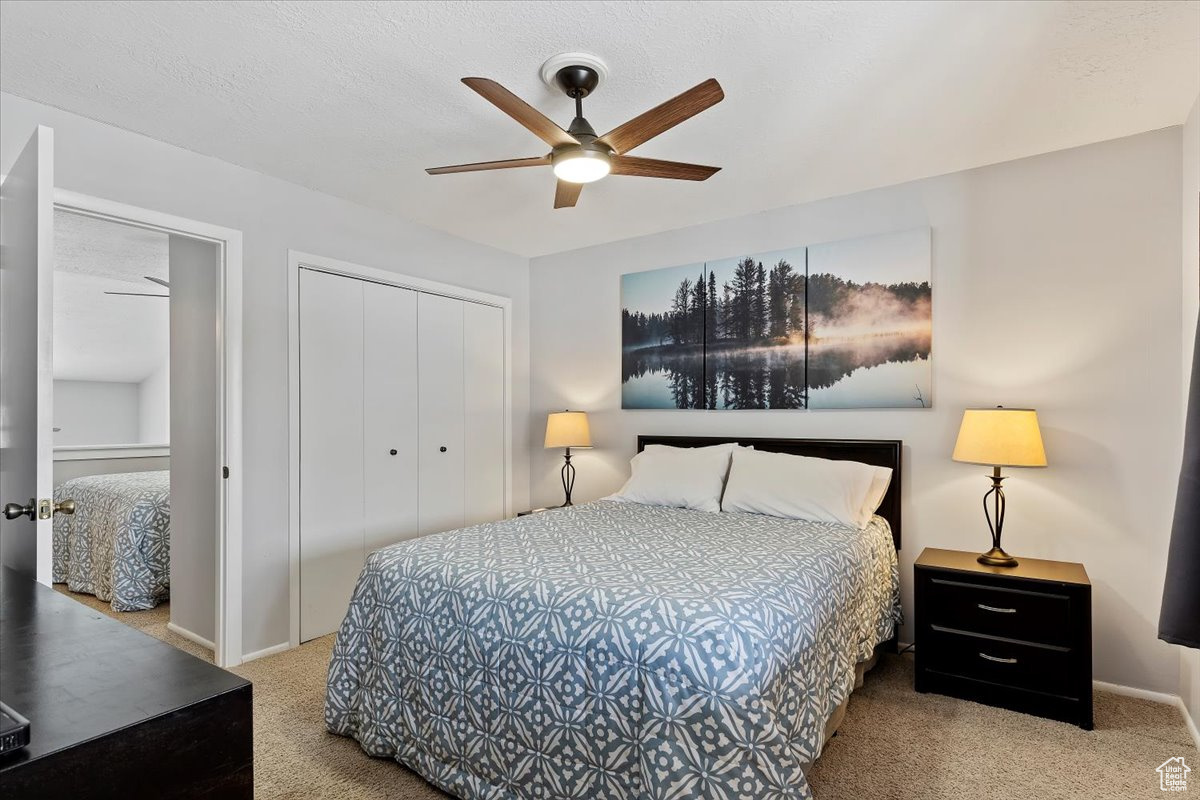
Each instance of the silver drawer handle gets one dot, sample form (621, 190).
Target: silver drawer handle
(997, 610)
(997, 659)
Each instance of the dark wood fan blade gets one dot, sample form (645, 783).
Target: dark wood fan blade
(159, 281)
(654, 168)
(537, 122)
(484, 165)
(663, 117)
(137, 294)
(566, 194)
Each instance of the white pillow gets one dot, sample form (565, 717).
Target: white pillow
(879, 487)
(800, 487)
(679, 477)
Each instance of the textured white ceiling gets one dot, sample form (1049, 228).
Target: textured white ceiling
(822, 98)
(99, 337)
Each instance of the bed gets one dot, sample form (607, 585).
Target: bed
(117, 544)
(615, 650)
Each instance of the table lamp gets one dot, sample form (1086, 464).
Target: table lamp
(999, 437)
(568, 429)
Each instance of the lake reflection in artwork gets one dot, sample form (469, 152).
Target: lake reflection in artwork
(837, 325)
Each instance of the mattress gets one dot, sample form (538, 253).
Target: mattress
(612, 650)
(117, 544)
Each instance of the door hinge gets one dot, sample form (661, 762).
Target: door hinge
(225, 473)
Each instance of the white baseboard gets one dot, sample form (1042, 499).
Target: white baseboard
(1141, 694)
(266, 651)
(191, 637)
(1191, 723)
(1157, 697)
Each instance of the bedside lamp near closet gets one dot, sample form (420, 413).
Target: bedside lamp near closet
(568, 429)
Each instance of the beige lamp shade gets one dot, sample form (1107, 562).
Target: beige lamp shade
(568, 429)
(1000, 437)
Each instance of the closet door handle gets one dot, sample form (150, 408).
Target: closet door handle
(392, 452)
(442, 448)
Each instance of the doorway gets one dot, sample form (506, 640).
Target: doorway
(134, 415)
(203, 416)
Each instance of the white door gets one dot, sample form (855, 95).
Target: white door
(331, 448)
(389, 414)
(195, 475)
(483, 396)
(442, 438)
(26, 359)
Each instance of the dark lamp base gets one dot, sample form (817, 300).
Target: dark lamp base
(996, 557)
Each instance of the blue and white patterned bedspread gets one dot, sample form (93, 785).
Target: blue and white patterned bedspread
(612, 650)
(117, 543)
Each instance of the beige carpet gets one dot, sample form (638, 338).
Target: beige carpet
(894, 743)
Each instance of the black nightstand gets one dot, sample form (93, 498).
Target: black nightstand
(1015, 637)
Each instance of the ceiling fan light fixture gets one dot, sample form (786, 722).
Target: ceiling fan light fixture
(581, 165)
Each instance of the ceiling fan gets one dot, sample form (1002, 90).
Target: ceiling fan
(150, 278)
(578, 155)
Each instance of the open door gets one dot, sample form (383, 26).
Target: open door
(26, 363)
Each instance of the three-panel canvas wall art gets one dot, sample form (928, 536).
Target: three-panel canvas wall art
(835, 325)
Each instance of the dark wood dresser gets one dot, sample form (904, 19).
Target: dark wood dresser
(114, 713)
(1015, 637)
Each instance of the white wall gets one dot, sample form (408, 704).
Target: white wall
(95, 412)
(154, 406)
(273, 215)
(1055, 285)
(1189, 677)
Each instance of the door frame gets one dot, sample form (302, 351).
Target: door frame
(333, 266)
(227, 646)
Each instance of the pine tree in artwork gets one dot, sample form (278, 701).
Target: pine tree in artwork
(710, 309)
(744, 282)
(727, 323)
(798, 309)
(696, 312)
(780, 288)
(758, 321)
(679, 312)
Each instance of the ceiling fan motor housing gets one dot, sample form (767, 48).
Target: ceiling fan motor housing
(577, 80)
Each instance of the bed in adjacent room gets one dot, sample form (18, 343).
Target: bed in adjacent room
(117, 544)
(620, 649)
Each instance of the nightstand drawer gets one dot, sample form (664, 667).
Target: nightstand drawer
(1025, 666)
(1011, 613)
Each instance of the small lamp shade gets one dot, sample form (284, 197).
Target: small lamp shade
(568, 429)
(1000, 437)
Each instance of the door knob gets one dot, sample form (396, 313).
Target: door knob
(442, 448)
(14, 510)
(65, 507)
(392, 452)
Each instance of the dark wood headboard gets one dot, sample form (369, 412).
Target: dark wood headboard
(876, 452)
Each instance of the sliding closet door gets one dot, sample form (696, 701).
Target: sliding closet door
(441, 438)
(483, 395)
(331, 448)
(389, 414)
